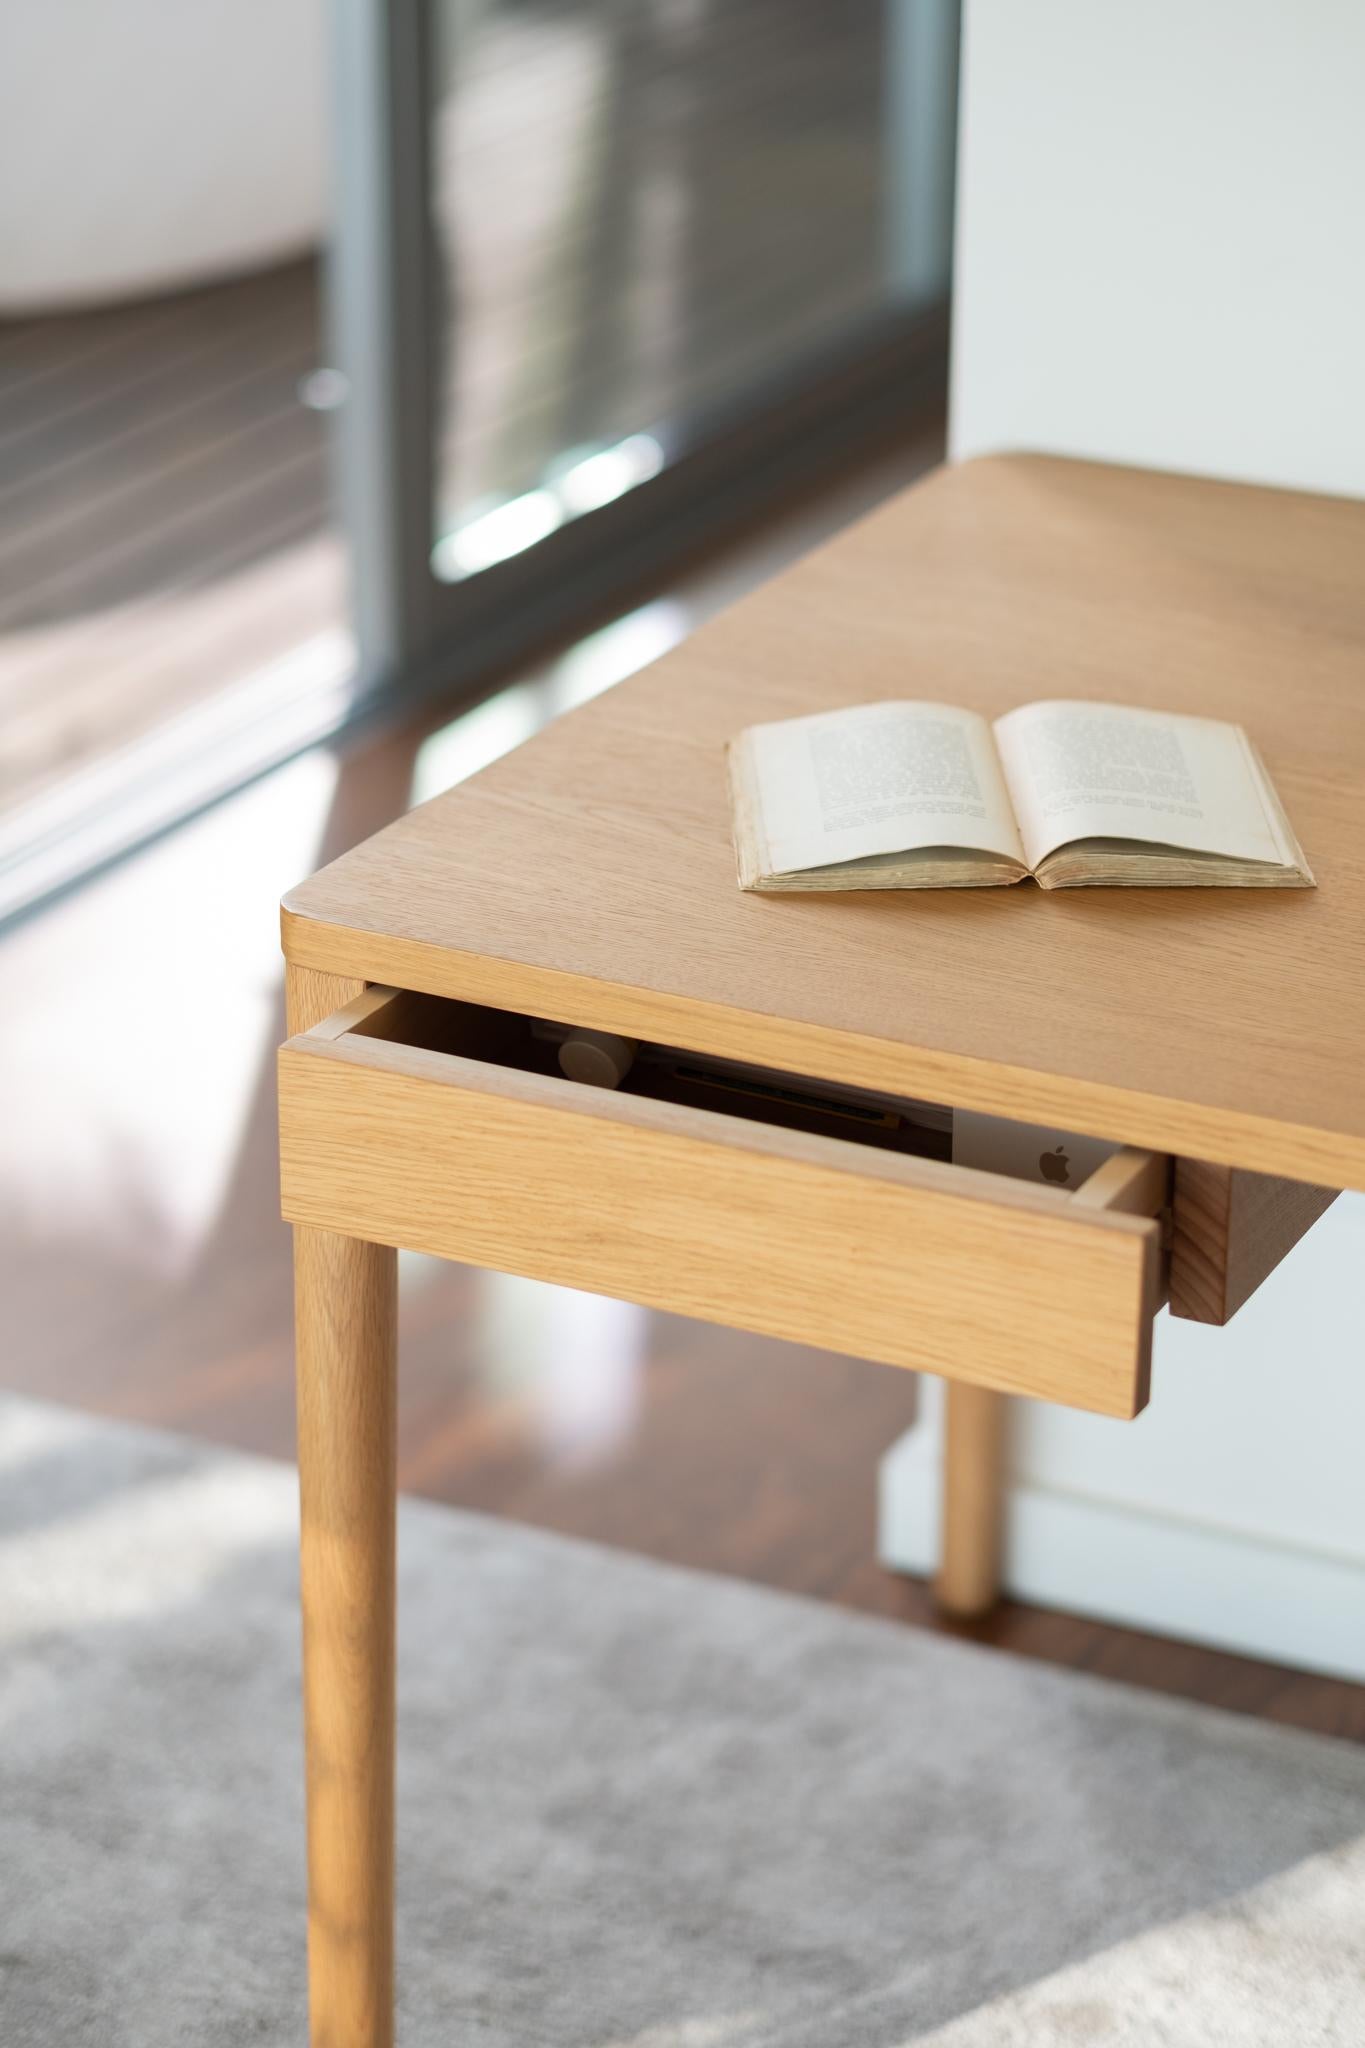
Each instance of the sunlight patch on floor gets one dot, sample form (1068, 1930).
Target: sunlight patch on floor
(485, 733)
(124, 1110)
(729, 2030)
(1282, 1963)
(140, 1548)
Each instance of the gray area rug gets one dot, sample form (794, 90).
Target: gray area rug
(638, 1807)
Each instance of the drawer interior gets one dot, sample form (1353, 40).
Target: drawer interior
(1225, 1229)
(761, 1095)
(743, 1195)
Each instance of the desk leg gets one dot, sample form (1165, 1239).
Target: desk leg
(968, 1579)
(346, 1336)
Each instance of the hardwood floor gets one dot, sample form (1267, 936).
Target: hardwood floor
(163, 513)
(145, 1273)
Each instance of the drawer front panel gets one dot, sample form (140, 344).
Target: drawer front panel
(907, 1261)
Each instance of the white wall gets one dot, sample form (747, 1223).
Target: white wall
(1231, 1512)
(1161, 260)
(1161, 235)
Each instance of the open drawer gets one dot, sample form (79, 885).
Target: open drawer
(445, 1127)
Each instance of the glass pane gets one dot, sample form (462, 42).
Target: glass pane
(651, 213)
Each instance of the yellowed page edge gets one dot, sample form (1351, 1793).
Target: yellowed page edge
(970, 809)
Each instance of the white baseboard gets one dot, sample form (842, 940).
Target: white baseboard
(1143, 1570)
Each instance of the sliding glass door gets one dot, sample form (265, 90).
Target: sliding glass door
(611, 274)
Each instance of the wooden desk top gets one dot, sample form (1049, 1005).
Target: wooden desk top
(589, 876)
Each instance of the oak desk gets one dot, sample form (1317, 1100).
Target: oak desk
(587, 878)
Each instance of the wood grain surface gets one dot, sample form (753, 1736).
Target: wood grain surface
(589, 875)
(972, 1514)
(346, 1322)
(346, 1344)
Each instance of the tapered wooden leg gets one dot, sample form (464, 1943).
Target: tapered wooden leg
(968, 1579)
(346, 1332)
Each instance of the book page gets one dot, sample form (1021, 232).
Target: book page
(879, 778)
(1107, 771)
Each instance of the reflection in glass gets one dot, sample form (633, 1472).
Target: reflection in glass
(648, 213)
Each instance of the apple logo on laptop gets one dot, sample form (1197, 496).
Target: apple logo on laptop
(1054, 1166)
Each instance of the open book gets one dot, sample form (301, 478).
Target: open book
(927, 796)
